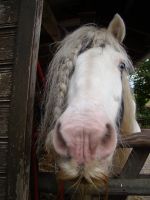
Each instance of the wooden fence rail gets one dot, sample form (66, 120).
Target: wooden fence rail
(141, 140)
(141, 186)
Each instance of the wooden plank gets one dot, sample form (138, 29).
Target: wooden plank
(126, 187)
(5, 83)
(73, 22)
(20, 122)
(3, 167)
(7, 46)
(3, 155)
(132, 168)
(8, 19)
(7, 28)
(49, 22)
(136, 158)
(8, 11)
(3, 185)
(144, 176)
(48, 184)
(6, 63)
(4, 114)
(136, 139)
(134, 163)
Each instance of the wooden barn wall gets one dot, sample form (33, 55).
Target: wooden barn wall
(20, 22)
(8, 25)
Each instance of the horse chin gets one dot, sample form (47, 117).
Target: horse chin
(94, 174)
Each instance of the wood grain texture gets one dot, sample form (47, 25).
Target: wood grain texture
(135, 162)
(4, 115)
(116, 187)
(8, 21)
(3, 185)
(8, 11)
(136, 140)
(5, 84)
(7, 45)
(3, 155)
(3, 167)
(22, 98)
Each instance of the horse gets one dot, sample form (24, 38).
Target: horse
(89, 104)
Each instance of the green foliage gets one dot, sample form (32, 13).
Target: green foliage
(141, 82)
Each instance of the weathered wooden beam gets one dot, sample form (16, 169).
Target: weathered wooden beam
(141, 140)
(5, 83)
(137, 157)
(7, 43)
(67, 23)
(50, 23)
(9, 11)
(8, 21)
(25, 48)
(48, 184)
(129, 187)
(134, 163)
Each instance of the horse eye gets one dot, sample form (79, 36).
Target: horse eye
(122, 65)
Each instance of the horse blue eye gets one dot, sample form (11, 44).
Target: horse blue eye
(122, 65)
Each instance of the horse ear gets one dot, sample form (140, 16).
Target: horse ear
(117, 28)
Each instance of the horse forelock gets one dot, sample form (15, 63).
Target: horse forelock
(62, 67)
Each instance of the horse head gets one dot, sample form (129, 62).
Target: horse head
(88, 101)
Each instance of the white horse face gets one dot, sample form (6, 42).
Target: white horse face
(85, 135)
(86, 131)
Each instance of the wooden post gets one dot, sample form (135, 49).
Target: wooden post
(23, 88)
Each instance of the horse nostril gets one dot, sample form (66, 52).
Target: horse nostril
(107, 136)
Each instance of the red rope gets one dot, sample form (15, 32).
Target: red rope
(40, 74)
(33, 152)
(33, 148)
(61, 191)
(34, 166)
